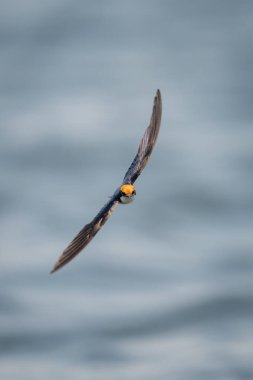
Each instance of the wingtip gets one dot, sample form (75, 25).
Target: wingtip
(158, 100)
(158, 92)
(55, 268)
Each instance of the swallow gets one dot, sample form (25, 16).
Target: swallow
(124, 194)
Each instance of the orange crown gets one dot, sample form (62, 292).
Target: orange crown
(127, 189)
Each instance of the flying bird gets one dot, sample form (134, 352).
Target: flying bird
(124, 194)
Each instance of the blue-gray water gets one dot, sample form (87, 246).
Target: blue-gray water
(165, 290)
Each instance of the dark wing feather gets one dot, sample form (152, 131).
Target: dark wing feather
(86, 234)
(147, 142)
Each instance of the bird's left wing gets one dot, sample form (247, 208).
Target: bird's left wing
(87, 233)
(147, 142)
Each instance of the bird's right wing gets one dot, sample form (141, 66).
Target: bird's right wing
(147, 142)
(86, 234)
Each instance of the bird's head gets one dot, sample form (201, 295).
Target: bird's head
(127, 193)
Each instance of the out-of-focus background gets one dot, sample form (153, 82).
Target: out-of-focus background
(165, 289)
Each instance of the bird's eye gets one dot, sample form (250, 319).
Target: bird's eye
(134, 192)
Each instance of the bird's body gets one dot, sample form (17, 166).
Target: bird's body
(124, 194)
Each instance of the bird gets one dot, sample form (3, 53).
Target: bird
(124, 194)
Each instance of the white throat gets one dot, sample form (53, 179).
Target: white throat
(126, 200)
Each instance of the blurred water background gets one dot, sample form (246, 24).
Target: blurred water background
(165, 289)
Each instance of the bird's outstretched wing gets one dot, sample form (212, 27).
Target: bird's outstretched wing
(147, 142)
(86, 234)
